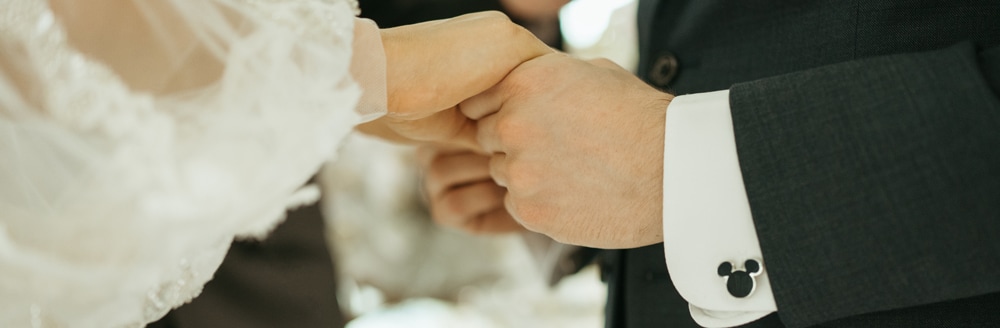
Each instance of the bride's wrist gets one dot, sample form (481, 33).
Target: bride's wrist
(368, 67)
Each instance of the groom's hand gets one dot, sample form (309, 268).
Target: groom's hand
(433, 66)
(579, 147)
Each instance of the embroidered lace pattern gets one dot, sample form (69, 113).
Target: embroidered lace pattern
(117, 205)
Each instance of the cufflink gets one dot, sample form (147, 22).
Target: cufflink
(740, 283)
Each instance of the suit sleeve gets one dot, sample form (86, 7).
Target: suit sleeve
(875, 184)
(706, 215)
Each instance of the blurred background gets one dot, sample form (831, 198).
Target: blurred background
(398, 269)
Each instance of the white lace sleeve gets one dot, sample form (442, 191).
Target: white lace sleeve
(127, 169)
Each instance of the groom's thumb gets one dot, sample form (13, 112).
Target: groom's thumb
(449, 126)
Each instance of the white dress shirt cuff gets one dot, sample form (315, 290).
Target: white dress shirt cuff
(706, 215)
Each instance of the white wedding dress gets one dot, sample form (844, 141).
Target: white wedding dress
(121, 188)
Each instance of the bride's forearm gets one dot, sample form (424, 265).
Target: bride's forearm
(147, 43)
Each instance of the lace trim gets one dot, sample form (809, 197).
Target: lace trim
(106, 107)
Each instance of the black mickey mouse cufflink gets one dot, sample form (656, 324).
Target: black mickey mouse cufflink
(740, 283)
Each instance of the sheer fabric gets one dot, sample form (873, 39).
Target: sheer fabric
(138, 138)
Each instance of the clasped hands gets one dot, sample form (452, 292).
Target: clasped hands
(516, 136)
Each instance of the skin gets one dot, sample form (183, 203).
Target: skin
(435, 65)
(118, 33)
(577, 145)
(575, 148)
(462, 193)
(430, 66)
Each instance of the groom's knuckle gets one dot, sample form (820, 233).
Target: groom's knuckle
(514, 175)
(519, 32)
(533, 216)
(497, 24)
(502, 24)
(504, 128)
(510, 130)
(520, 177)
(499, 173)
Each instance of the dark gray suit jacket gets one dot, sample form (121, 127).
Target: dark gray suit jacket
(868, 134)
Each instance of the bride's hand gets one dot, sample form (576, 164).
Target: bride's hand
(461, 193)
(433, 66)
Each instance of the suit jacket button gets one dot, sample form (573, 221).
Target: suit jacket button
(663, 70)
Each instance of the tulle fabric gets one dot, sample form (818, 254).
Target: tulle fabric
(119, 197)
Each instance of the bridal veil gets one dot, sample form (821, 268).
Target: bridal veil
(138, 138)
